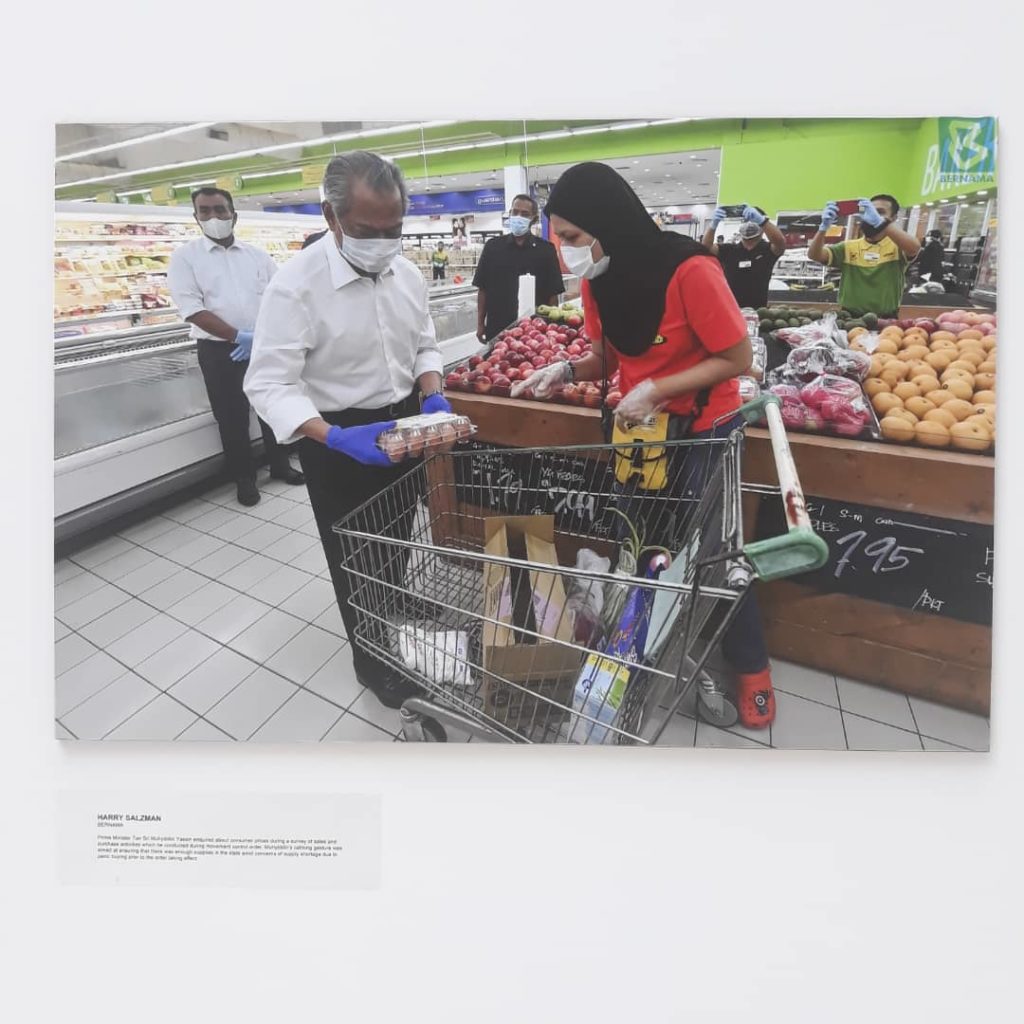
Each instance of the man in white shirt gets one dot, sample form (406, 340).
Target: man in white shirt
(217, 283)
(345, 346)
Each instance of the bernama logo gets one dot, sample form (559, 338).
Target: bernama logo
(967, 150)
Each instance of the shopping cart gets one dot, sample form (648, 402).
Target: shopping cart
(466, 577)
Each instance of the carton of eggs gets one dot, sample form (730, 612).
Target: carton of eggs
(420, 435)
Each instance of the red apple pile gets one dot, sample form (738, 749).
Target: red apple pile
(531, 344)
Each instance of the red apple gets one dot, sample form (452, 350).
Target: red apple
(526, 366)
(516, 332)
(592, 399)
(613, 399)
(571, 393)
(482, 384)
(475, 361)
(539, 322)
(570, 334)
(547, 353)
(574, 349)
(484, 366)
(574, 320)
(453, 380)
(504, 365)
(514, 374)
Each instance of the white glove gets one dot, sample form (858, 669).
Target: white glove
(640, 403)
(543, 383)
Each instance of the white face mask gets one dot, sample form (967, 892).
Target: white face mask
(218, 229)
(580, 261)
(373, 255)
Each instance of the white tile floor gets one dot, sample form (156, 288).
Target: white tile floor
(216, 622)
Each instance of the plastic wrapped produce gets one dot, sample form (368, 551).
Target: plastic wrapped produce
(817, 330)
(826, 388)
(820, 357)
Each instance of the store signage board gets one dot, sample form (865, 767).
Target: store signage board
(920, 563)
(552, 483)
(492, 199)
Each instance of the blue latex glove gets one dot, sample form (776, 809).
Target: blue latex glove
(360, 443)
(829, 215)
(754, 216)
(718, 216)
(243, 346)
(436, 403)
(869, 214)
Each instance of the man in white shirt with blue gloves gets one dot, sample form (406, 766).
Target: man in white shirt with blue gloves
(217, 283)
(345, 346)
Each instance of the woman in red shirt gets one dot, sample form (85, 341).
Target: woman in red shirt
(658, 307)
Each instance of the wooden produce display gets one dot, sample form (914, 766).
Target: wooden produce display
(909, 530)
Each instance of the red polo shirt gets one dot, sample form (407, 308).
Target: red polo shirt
(701, 317)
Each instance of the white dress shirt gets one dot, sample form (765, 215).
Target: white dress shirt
(329, 339)
(228, 281)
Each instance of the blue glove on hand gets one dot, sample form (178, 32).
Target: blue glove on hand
(869, 214)
(754, 216)
(243, 346)
(360, 443)
(718, 216)
(436, 403)
(829, 216)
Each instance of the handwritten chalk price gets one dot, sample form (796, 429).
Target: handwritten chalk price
(885, 554)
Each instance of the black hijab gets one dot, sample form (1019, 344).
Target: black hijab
(630, 294)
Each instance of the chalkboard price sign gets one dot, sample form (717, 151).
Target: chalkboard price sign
(510, 482)
(922, 563)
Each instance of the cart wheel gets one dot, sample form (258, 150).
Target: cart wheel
(433, 731)
(724, 716)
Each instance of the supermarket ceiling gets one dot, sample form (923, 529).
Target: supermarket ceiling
(268, 157)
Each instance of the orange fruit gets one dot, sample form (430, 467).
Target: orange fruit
(962, 364)
(873, 386)
(960, 389)
(888, 346)
(918, 406)
(960, 408)
(884, 401)
(967, 378)
(974, 357)
(943, 336)
(943, 345)
(988, 343)
(932, 434)
(905, 389)
(989, 366)
(970, 436)
(875, 368)
(985, 381)
(938, 360)
(984, 398)
(856, 333)
(897, 429)
(905, 414)
(970, 333)
(947, 419)
(914, 353)
(940, 397)
(926, 382)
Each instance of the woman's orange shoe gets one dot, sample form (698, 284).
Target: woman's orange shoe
(755, 699)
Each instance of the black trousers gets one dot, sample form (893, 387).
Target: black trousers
(338, 485)
(439, 273)
(223, 378)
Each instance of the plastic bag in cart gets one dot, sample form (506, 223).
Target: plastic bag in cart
(440, 656)
(586, 597)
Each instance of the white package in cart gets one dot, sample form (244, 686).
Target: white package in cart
(437, 655)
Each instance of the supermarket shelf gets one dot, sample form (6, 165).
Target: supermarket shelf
(142, 271)
(113, 315)
(123, 238)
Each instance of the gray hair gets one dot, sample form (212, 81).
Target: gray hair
(361, 165)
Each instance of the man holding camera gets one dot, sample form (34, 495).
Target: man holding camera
(748, 264)
(874, 266)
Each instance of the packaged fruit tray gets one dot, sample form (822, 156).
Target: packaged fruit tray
(418, 435)
(934, 383)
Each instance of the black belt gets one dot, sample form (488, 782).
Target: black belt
(356, 417)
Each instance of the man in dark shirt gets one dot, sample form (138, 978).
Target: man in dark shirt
(748, 264)
(313, 238)
(931, 257)
(504, 260)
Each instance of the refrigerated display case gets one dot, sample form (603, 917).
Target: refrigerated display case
(132, 423)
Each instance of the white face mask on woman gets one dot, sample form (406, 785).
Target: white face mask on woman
(373, 255)
(580, 261)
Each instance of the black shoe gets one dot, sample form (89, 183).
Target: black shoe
(288, 475)
(390, 688)
(248, 494)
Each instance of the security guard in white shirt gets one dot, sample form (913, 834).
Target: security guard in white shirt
(345, 346)
(217, 283)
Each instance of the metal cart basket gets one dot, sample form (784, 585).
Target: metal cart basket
(467, 578)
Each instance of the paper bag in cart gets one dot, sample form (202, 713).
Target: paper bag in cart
(533, 600)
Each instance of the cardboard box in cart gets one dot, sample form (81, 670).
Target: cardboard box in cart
(530, 599)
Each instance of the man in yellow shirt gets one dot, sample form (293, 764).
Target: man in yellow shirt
(874, 266)
(439, 261)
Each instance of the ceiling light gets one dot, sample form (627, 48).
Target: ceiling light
(180, 130)
(260, 151)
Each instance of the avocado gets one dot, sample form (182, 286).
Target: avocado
(804, 321)
(870, 320)
(764, 313)
(850, 324)
(779, 324)
(794, 322)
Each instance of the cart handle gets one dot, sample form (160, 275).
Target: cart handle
(800, 549)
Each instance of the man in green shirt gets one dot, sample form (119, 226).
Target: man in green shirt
(439, 261)
(874, 266)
